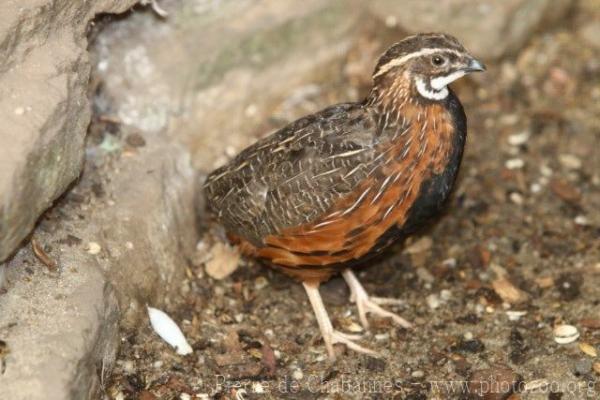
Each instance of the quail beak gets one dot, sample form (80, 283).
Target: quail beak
(474, 66)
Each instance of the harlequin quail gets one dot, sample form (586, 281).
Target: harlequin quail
(335, 188)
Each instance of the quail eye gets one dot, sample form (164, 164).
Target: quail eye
(438, 60)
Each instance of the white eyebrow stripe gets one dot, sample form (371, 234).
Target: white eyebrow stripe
(423, 52)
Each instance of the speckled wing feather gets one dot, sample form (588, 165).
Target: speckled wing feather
(294, 176)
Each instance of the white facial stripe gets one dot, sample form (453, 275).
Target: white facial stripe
(442, 81)
(430, 94)
(399, 61)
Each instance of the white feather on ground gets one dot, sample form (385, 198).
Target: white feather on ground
(168, 330)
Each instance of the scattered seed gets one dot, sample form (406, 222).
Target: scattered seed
(581, 220)
(509, 292)
(570, 161)
(515, 315)
(545, 282)
(564, 334)
(588, 349)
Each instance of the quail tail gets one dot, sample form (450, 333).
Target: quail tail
(330, 335)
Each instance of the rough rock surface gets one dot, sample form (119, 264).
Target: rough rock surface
(490, 29)
(214, 91)
(44, 74)
(119, 243)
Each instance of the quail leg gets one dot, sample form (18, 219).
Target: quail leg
(330, 335)
(367, 304)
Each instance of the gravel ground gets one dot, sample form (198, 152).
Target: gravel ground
(516, 255)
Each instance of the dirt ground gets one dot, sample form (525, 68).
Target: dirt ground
(517, 254)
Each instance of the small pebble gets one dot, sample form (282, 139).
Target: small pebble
(380, 337)
(251, 110)
(260, 283)
(564, 334)
(257, 387)
(514, 163)
(185, 396)
(374, 364)
(516, 198)
(546, 171)
(417, 374)
(297, 374)
(433, 301)
(535, 188)
(93, 248)
(449, 262)
(391, 21)
(515, 315)
(519, 139)
(424, 275)
(596, 367)
(135, 140)
(446, 294)
(420, 246)
(583, 366)
(581, 220)
(223, 262)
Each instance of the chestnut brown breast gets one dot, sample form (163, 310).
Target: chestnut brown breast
(324, 190)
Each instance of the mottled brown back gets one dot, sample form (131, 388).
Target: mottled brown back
(295, 175)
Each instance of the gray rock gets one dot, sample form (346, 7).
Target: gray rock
(62, 328)
(490, 28)
(213, 93)
(44, 75)
(583, 366)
